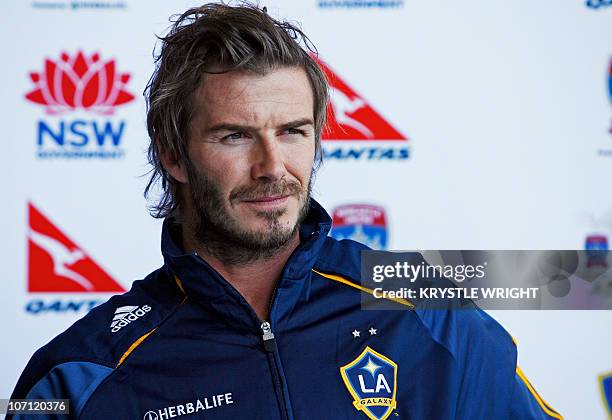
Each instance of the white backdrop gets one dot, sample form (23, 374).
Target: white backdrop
(503, 109)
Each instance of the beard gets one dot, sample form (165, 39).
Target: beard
(220, 234)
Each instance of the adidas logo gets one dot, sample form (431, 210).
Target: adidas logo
(126, 314)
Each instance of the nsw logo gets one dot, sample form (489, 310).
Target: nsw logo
(57, 265)
(364, 133)
(79, 93)
(363, 223)
(126, 314)
(371, 379)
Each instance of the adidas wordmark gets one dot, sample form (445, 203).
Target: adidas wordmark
(126, 314)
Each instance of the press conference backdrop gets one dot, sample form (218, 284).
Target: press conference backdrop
(458, 125)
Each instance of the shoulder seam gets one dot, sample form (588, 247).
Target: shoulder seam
(143, 337)
(345, 281)
(133, 347)
(341, 279)
(424, 324)
(541, 402)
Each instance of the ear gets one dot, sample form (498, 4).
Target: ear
(173, 166)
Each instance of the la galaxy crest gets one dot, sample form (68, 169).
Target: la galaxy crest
(371, 379)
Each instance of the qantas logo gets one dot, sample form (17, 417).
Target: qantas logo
(350, 116)
(126, 314)
(79, 82)
(364, 133)
(57, 264)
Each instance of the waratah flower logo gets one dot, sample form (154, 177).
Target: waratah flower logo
(80, 82)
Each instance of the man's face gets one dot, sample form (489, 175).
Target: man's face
(251, 152)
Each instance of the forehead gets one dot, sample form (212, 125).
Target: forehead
(245, 97)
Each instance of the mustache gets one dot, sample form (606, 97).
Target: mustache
(266, 189)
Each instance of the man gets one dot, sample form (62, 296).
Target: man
(256, 312)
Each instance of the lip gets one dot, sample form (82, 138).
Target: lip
(271, 202)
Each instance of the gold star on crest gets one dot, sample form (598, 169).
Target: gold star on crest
(371, 366)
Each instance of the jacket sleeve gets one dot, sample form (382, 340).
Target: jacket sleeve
(526, 403)
(491, 383)
(75, 381)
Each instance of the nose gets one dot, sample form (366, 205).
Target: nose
(269, 162)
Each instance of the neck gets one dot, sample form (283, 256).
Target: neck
(255, 278)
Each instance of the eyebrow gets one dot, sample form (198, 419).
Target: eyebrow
(237, 127)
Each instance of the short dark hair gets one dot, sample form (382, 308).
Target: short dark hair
(217, 38)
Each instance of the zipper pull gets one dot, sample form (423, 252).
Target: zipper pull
(268, 336)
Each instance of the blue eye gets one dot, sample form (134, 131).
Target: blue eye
(233, 137)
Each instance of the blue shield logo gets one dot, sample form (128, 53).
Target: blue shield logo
(363, 223)
(371, 380)
(605, 384)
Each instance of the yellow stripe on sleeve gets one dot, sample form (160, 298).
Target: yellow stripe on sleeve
(545, 406)
(342, 280)
(133, 346)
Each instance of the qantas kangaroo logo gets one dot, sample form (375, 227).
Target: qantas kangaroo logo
(62, 258)
(56, 264)
(350, 116)
(343, 107)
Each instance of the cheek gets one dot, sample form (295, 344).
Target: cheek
(224, 169)
(300, 159)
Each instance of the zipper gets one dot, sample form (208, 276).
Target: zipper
(269, 343)
(268, 337)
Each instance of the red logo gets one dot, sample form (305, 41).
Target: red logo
(79, 82)
(359, 214)
(350, 117)
(56, 264)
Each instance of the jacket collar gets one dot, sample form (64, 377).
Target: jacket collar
(204, 284)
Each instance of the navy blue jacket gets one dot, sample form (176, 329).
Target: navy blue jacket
(184, 343)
